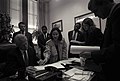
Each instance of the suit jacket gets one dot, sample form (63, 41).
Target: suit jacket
(16, 63)
(93, 37)
(110, 50)
(51, 51)
(80, 36)
(42, 42)
(28, 35)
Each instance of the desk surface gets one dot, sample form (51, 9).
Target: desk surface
(72, 72)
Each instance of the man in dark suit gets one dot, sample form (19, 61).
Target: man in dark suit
(109, 53)
(75, 37)
(22, 28)
(42, 39)
(21, 57)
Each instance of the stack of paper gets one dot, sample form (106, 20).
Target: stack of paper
(78, 74)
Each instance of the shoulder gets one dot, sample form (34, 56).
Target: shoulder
(15, 33)
(63, 41)
(116, 11)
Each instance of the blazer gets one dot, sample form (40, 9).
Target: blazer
(28, 35)
(80, 37)
(110, 49)
(93, 37)
(42, 40)
(51, 50)
(16, 63)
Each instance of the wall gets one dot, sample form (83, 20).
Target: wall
(66, 10)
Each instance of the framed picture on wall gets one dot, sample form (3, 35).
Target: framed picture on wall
(91, 15)
(58, 24)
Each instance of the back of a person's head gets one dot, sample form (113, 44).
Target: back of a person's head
(93, 3)
(20, 39)
(88, 21)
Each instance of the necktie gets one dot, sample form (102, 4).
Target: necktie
(26, 58)
(45, 36)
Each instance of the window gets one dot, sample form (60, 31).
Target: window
(32, 15)
(16, 14)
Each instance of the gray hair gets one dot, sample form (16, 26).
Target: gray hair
(19, 39)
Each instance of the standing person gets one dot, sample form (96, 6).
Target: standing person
(75, 37)
(20, 58)
(22, 28)
(109, 52)
(93, 35)
(42, 39)
(56, 47)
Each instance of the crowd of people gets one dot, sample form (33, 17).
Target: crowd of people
(19, 54)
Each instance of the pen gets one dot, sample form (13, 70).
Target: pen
(41, 75)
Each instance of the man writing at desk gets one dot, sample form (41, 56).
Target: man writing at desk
(21, 57)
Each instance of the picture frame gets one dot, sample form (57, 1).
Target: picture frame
(91, 15)
(58, 24)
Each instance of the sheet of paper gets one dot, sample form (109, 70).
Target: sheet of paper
(72, 71)
(57, 65)
(78, 74)
(78, 49)
(40, 67)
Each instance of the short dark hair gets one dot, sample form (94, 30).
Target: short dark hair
(88, 21)
(60, 35)
(79, 24)
(44, 27)
(20, 23)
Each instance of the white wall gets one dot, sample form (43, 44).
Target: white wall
(67, 10)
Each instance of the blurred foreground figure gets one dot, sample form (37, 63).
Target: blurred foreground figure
(108, 56)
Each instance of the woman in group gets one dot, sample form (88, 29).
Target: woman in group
(56, 47)
(93, 35)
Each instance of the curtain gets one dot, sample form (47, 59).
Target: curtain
(5, 6)
(43, 13)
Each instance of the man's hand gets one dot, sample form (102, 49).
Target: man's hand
(85, 54)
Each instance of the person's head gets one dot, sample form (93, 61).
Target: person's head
(55, 34)
(22, 26)
(44, 29)
(87, 23)
(21, 41)
(77, 26)
(100, 8)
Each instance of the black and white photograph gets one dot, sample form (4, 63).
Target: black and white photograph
(59, 40)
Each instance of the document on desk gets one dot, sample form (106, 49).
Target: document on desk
(78, 49)
(78, 74)
(57, 65)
